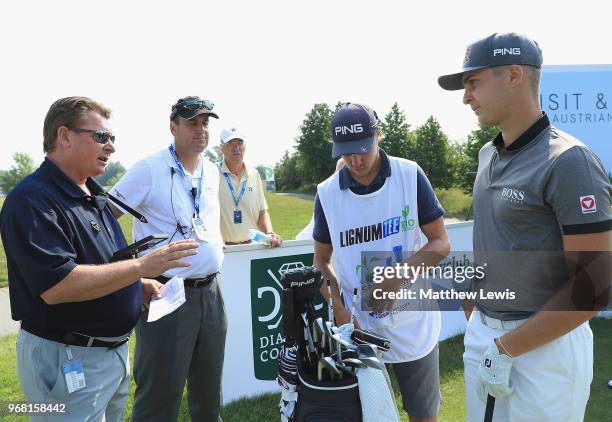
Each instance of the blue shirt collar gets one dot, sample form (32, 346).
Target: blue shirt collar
(70, 188)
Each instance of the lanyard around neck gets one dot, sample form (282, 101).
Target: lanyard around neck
(233, 192)
(195, 198)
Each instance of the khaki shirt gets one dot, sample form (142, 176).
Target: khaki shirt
(251, 204)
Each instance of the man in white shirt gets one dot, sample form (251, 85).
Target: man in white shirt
(177, 189)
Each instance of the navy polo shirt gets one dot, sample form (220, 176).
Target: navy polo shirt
(49, 226)
(429, 208)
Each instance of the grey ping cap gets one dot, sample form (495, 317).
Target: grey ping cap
(495, 50)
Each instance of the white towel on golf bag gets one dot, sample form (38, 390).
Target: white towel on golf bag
(376, 395)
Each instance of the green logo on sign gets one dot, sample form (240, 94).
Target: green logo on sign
(266, 306)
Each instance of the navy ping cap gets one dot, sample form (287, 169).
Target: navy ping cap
(353, 129)
(495, 50)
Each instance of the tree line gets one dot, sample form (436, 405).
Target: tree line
(446, 163)
(24, 165)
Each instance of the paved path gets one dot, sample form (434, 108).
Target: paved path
(7, 325)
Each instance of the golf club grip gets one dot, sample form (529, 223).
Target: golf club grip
(489, 409)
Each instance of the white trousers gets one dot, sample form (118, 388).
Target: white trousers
(551, 383)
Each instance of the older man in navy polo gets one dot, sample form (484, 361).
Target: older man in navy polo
(76, 309)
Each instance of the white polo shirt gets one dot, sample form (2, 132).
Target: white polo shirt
(165, 200)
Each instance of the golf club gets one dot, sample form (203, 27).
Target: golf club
(489, 409)
(372, 362)
(330, 303)
(319, 328)
(366, 337)
(329, 364)
(354, 304)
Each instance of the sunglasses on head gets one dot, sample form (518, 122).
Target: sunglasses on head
(191, 104)
(99, 136)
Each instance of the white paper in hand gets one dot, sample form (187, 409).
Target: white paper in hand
(173, 296)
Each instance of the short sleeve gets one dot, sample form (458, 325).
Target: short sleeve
(427, 203)
(135, 185)
(578, 191)
(320, 231)
(40, 247)
(262, 196)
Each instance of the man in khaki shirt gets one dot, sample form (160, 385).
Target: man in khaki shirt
(241, 195)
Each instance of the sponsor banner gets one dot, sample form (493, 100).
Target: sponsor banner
(577, 101)
(267, 315)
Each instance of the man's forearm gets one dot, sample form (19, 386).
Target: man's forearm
(87, 282)
(328, 274)
(542, 328)
(590, 271)
(431, 253)
(264, 223)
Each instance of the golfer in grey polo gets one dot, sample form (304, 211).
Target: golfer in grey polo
(539, 195)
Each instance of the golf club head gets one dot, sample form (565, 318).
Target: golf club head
(354, 363)
(372, 362)
(329, 364)
(368, 350)
(347, 345)
(345, 368)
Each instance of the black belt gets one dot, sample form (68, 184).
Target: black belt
(192, 282)
(73, 339)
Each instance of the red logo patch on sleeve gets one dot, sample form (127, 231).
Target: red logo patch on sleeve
(588, 204)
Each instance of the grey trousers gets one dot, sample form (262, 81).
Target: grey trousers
(186, 345)
(107, 379)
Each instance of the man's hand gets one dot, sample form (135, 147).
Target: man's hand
(150, 290)
(275, 240)
(161, 260)
(493, 376)
(381, 302)
(343, 316)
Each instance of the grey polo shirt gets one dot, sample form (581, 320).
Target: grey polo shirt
(545, 185)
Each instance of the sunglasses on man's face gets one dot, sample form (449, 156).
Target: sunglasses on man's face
(99, 136)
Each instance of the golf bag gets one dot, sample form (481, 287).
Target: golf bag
(306, 398)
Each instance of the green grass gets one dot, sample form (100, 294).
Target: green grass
(264, 407)
(289, 214)
(3, 270)
(455, 202)
(307, 189)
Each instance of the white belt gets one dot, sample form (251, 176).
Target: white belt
(499, 324)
